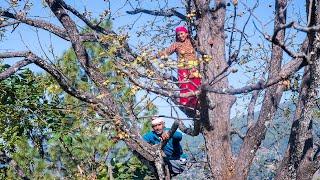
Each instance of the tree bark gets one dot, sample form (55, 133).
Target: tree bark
(273, 94)
(299, 161)
(217, 126)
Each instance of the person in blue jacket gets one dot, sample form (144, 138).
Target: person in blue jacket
(175, 158)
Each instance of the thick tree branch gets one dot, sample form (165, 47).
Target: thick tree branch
(252, 103)
(299, 161)
(165, 12)
(8, 24)
(256, 134)
(287, 70)
(286, 49)
(18, 65)
(189, 130)
(84, 19)
(298, 27)
(83, 57)
(172, 130)
(64, 82)
(15, 54)
(56, 74)
(14, 68)
(125, 52)
(108, 104)
(284, 170)
(38, 23)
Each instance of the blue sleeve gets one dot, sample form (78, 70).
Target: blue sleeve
(147, 137)
(177, 136)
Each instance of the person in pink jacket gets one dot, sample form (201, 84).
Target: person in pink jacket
(188, 74)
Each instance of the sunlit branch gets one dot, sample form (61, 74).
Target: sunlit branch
(64, 82)
(72, 31)
(8, 24)
(14, 54)
(38, 23)
(166, 12)
(232, 31)
(14, 68)
(298, 27)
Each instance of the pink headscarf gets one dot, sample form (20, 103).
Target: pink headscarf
(181, 28)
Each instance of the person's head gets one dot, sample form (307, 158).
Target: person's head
(157, 125)
(181, 34)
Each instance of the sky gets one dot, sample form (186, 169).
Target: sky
(36, 40)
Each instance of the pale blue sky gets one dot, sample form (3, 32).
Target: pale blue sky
(25, 37)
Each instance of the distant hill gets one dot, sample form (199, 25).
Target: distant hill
(269, 154)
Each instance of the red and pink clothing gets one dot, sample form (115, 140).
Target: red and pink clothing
(188, 74)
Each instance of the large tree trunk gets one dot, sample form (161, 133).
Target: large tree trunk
(299, 161)
(216, 130)
(284, 168)
(256, 134)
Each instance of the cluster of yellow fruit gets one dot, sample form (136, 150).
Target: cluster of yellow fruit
(54, 88)
(114, 39)
(107, 38)
(134, 89)
(206, 58)
(286, 83)
(101, 96)
(191, 14)
(150, 73)
(122, 135)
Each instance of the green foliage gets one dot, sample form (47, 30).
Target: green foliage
(22, 123)
(126, 166)
(48, 132)
(20, 98)
(52, 135)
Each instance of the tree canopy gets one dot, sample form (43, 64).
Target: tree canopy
(106, 85)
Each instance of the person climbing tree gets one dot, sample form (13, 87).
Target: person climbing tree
(188, 74)
(175, 158)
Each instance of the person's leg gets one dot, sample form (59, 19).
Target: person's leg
(183, 85)
(193, 86)
(176, 166)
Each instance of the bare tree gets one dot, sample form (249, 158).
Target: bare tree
(212, 26)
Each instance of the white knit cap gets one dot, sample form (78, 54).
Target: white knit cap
(157, 120)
